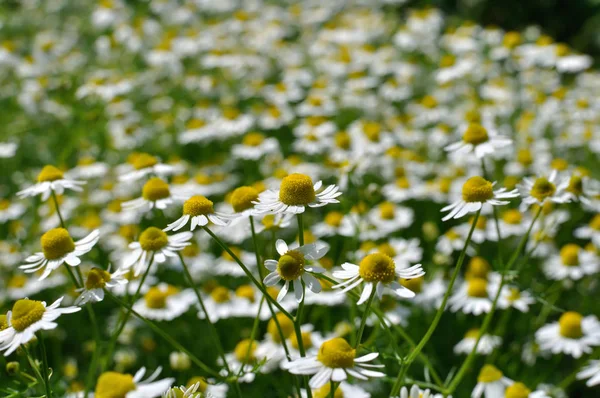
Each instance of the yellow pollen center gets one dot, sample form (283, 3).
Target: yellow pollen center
(477, 288)
(244, 350)
(575, 185)
(472, 333)
(297, 189)
(3, 322)
(198, 205)
(517, 390)
(570, 325)
(402, 183)
(387, 210)
(524, 157)
(542, 189)
(514, 295)
(595, 223)
(4, 204)
(513, 217)
(489, 374)
(377, 267)
(114, 385)
(387, 249)
(50, 173)
(334, 218)
(25, 313)
(17, 281)
(220, 294)
(291, 265)
(287, 327)
(253, 139)
(475, 134)
(477, 189)
(155, 189)
(156, 297)
(325, 392)
(97, 279)
(372, 130)
(153, 239)
(415, 284)
(128, 231)
(478, 268)
(245, 291)
(342, 140)
(202, 384)
(241, 199)
(336, 353)
(57, 243)
(306, 340)
(143, 160)
(559, 164)
(569, 255)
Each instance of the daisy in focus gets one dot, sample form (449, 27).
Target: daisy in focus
(480, 141)
(57, 248)
(295, 193)
(97, 280)
(292, 267)
(200, 211)
(28, 317)
(491, 383)
(51, 180)
(155, 194)
(335, 361)
(377, 271)
(476, 192)
(573, 334)
(542, 190)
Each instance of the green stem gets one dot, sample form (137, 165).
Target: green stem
(35, 368)
(57, 207)
(165, 336)
(45, 366)
(438, 315)
(332, 388)
(300, 229)
(363, 321)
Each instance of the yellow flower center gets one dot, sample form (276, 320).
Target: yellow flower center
(477, 288)
(334, 218)
(114, 385)
(155, 189)
(4, 204)
(511, 39)
(472, 334)
(143, 160)
(542, 189)
(570, 325)
(245, 291)
(415, 284)
(595, 223)
(191, 250)
(220, 294)
(447, 60)
(575, 185)
(429, 102)
(478, 268)
(244, 350)
(128, 231)
(524, 157)
(387, 249)
(477, 189)
(97, 279)
(198, 205)
(156, 297)
(231, 113)
(153, 239)
(512, 216)
(475, 134)
(253, 139)
(514, 295)
(402, 183)
(372, 130)
(297, 189)
(50, 173)
(306, 340)
(57, 243)
(489, 374)
(291, 265)
(569, 254)
(559, 164)
(25, 313)
(235, 250)
(3, 322)
(287, 327)
(241, 199)
(325, 392)
(336, 353)
(17, 281)
(387, 210)
(517, 390)
(342, 140)
(202, 384)
(195, 124)
(377, 267)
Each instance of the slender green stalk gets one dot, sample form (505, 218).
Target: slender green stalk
(57, 207)
(332, 388)
(45, 366)
(415, 352)
(165, 336)
(36, 369)
(300, 229)
(363, 321)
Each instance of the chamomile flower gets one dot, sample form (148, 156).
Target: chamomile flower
(512, 296)
(28, 317)
(572, 262)
(590, 231)
(573, 334)
(292, 267)
(585, 190)
(474, 296)
(200, 211)
(50, 180)
(192, 391)
(343, 390)
(154, 245)
(57, 248)
(254, 146)
(486, 345)
(491, 383)
(590, 371)
(480, 141)
(295, 193)
(164, 303)
(377, 271)
(476, 192)
(97, 280)
(10, 211)
(242, 360)
(520, 390)
(416, 392)
(542, 190)
(335, 361)
(155, 194)
(115, 384)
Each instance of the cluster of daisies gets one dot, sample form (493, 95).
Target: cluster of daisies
(313, 199)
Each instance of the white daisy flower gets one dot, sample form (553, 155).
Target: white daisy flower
(487, 343)
(97, 280)
(20, 285)
(28, 317)
(520, 390)
(571, 263)
(511, 296)
(58, 248)
(343, 390)
(590, 231)
(88, 168)
(389, 217)
(155, 193)
(254, 146)
(10, 211)
(144, 164)
(543, 190)
(8, 149)
(164, 303)
(154, 244)
(192, 391)
(295, 193)
(573, 335)
(591, 371)
(491, 383)
(585, 190)
(416, 392)
(335, 361)
(200, 211)
(478, 140)
(377, 271)
(242, 361)
(115, 384)
(50, 180)
(474, 296)
(476, 192)
(292, 267)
